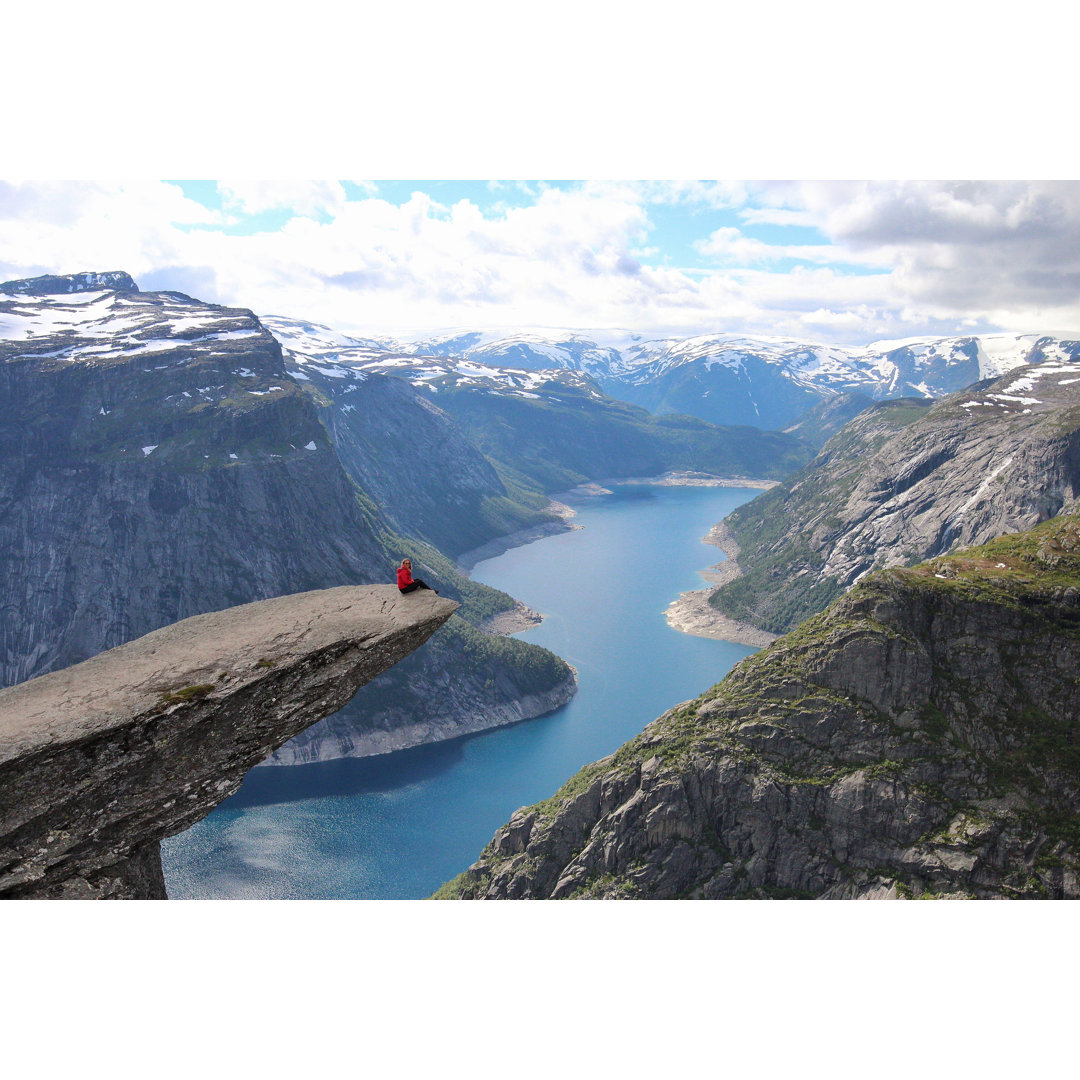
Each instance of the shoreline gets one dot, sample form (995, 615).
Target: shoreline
(467, 560)
(690, 478)
(692, 613)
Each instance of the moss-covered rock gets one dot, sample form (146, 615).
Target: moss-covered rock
(919, 738)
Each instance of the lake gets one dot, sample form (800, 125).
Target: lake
(397, 826)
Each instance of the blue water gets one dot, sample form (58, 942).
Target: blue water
(399, 825)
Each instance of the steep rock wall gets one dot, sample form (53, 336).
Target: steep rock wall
(906, 481)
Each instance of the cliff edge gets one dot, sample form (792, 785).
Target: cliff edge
(919, 738)
(100, 761)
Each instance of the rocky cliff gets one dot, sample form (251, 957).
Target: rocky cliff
(157, 461)
(904, 481)
(917, 739)
(100, 761)
(413, 460)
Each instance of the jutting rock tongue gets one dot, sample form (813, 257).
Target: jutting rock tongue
(100, 761)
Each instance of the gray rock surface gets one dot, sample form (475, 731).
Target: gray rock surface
(918, 739)
(907, 481)
(100, 761)
(158, 461)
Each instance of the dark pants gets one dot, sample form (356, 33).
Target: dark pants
(416, 583)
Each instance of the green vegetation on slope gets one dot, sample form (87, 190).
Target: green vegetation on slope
(792, 527)
(567, 437)
(954, 719)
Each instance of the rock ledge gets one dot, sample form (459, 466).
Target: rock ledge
(100, 761)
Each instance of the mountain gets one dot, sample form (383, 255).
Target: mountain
(157, 461)
(435, 485)
(822, 421)
(764, 382)
(917, 739)
(543, 430)
(905, 481)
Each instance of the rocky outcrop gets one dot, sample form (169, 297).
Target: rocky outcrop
(158, 461)
(918, 739)
(100, 761)
(907, 481)
(56, 284)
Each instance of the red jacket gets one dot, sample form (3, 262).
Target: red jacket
(404, 577)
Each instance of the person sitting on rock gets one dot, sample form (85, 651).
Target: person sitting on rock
(405, 581)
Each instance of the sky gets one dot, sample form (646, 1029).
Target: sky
(844, 261)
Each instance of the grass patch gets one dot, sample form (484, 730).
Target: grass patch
(186, 694)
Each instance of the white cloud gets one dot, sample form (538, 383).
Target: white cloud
(64, 227)
(943, 257)
(730, 246)
(304, 197)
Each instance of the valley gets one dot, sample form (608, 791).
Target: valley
(163, 458)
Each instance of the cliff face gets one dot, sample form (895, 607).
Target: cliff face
(416, 463)
(157, 461)
(907, 481)
(100, 761)
(919, 738)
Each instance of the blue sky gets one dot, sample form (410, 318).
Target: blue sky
(672, 230)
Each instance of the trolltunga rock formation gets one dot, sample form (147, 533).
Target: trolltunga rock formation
(100, 761)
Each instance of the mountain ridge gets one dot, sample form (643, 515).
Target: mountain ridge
(904, 481)
(732, 378)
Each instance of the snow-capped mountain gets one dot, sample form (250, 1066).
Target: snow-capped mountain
(737, 379)
(546, 429)
(309, 347)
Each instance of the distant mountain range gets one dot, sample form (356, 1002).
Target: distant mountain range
(728, 379)
(544, 429)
